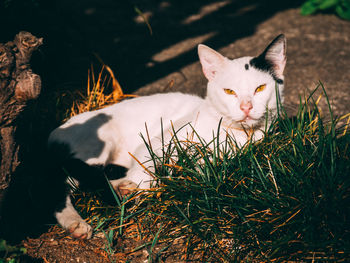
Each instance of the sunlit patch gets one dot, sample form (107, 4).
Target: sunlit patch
(181, 47)
(205, 11)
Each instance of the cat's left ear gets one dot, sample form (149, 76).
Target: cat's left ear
(211, 61)
(273, 58)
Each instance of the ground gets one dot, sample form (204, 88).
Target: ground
(318, 49)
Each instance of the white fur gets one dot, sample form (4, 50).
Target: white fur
(107, 136)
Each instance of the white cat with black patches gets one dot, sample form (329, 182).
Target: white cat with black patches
(241, 93)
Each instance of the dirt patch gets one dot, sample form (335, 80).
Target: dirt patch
(58, 247)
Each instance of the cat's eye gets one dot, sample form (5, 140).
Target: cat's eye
(229, 91)
(260, 88)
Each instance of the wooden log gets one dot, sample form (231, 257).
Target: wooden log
(18, 86)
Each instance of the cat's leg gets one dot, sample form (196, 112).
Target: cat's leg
(86, 177)
(70, 220)
(137, 177)
(82, 149)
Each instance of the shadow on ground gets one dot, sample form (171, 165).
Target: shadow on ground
(74, 31)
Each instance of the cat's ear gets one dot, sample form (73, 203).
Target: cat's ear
(276, 54)
(273, 58)
(211, 61)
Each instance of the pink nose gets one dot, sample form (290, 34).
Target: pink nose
(246, 107)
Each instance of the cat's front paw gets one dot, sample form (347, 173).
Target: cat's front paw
(126, 187)
(80, 230)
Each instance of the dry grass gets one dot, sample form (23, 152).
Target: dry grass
(102, 90)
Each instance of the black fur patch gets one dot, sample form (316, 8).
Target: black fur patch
(279, 81)
(262, 64)
(58, 152)
(246, 66)
(93, 177)
(113, 171)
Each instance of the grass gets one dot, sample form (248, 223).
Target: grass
(285, 197)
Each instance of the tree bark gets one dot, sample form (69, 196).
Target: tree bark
(18, 86)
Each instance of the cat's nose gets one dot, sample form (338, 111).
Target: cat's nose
(246, 107)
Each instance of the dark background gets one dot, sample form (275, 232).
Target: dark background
(74, 31)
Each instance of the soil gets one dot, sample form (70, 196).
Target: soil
(76, 33)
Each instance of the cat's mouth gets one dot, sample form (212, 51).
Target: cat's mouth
(247, 118)
(249, 121)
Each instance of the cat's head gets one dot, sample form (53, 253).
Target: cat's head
(243, 89)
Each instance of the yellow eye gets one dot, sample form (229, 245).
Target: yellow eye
(260, 88)
(229, 91)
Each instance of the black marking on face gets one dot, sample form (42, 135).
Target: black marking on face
(246, 66)
(279, 81)
(260, 63)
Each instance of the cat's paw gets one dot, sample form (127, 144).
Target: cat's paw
(80, 230)
(126, 187)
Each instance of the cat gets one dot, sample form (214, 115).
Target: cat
(241, 95)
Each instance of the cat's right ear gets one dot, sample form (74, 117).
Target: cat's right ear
(211, 61)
